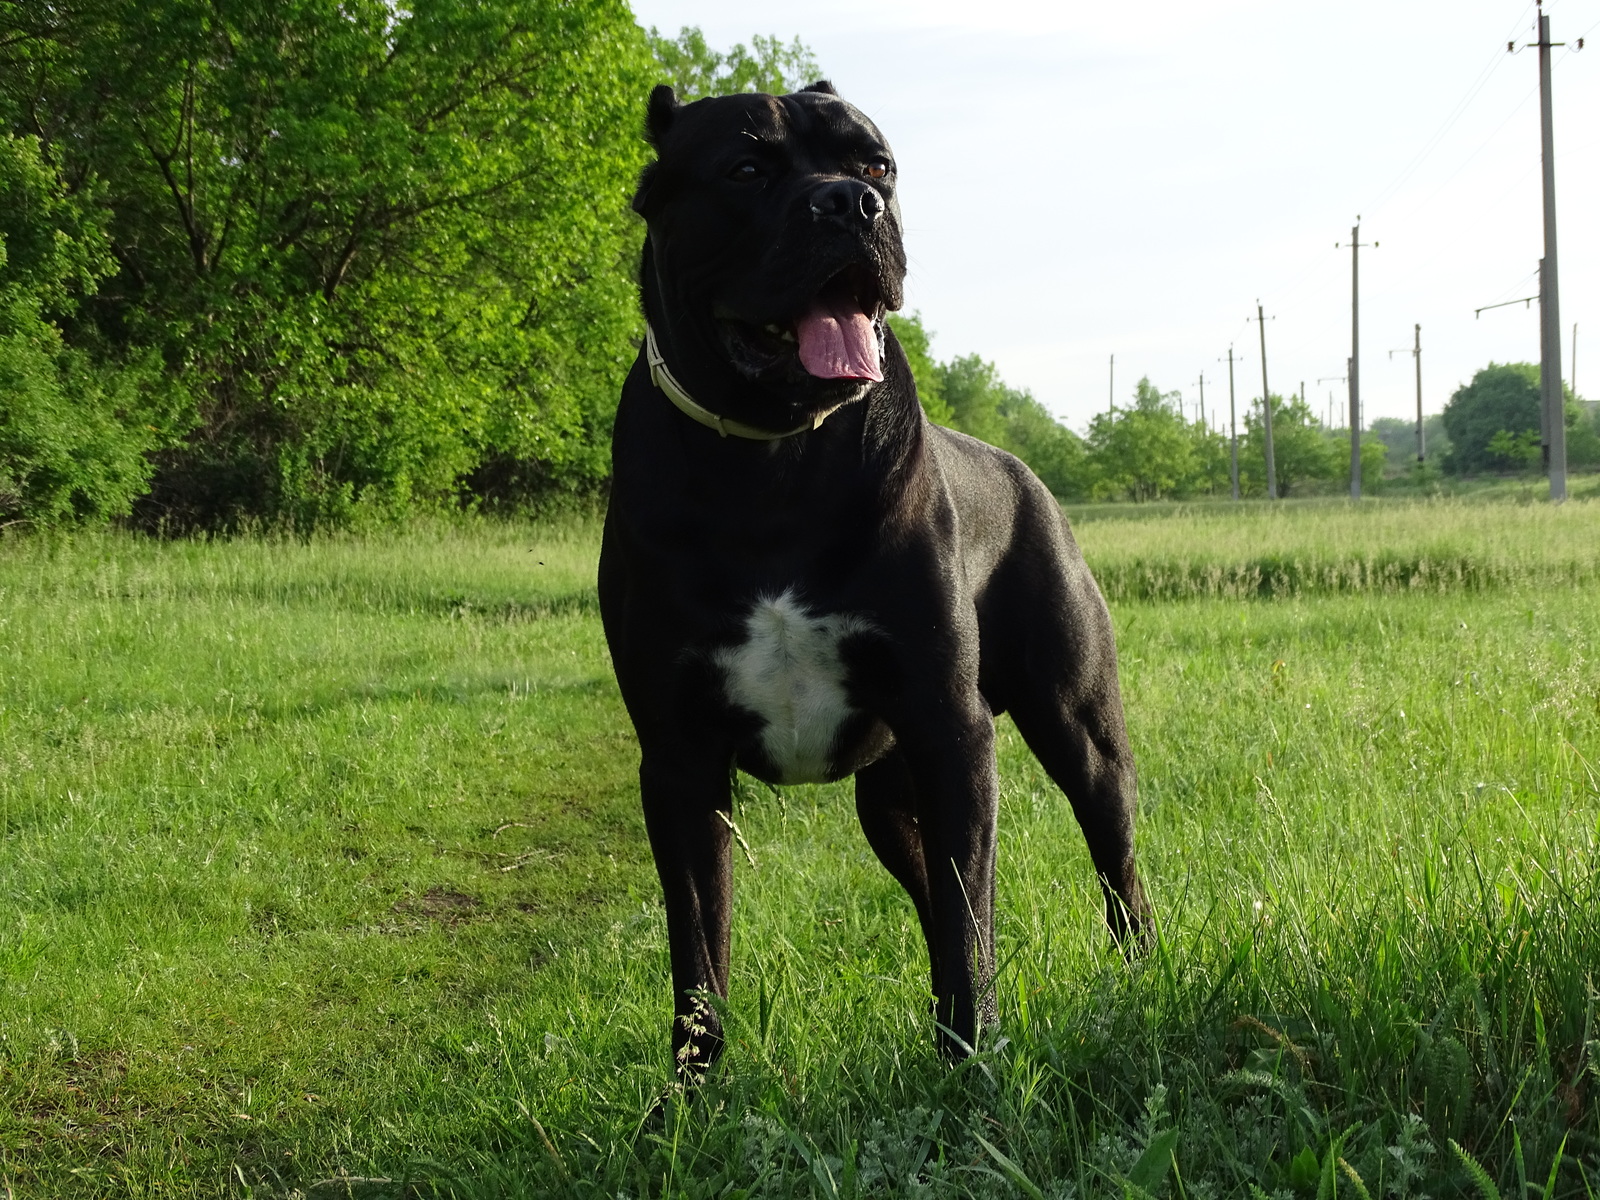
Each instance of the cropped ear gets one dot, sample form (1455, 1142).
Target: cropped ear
(823, 86)
(663, 107)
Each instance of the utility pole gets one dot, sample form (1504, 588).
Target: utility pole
(1203, 390)
(1544, 400)
(1233, 430)
(1415, 350)
(1266, 408)
(1355, 356)
(1416, 356)
(1111, 386)
(1549, 280)
(1574, 367)
(1552, 406)
(1333, 379)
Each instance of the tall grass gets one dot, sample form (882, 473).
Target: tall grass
(324, 877)
(1375, 859)
(1259, 550)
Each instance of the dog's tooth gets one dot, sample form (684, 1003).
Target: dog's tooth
(787, 335)
(773, 329)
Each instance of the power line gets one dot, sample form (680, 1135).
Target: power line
(1485, 74)
(1515, 287)
(1494, 133)
(1466, 162)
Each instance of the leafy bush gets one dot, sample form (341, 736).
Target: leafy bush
(1514, 451)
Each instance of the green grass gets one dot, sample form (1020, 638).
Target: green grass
(1313, 547)
(322, 863)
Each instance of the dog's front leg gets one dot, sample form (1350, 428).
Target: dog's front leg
(686, 800)
(951, 759)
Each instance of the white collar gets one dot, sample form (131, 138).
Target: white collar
(663, 379)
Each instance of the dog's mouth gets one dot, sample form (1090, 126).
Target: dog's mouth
(838, 335)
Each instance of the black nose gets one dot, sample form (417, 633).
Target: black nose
(846, 202)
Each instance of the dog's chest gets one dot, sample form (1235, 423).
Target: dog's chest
(788, 672)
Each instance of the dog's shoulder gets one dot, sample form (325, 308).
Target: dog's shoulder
(971, 466)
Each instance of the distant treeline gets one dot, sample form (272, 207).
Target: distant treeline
(1148, 448)
(1151, 447)
(340, 260)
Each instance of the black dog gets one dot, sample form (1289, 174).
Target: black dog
(802, 578)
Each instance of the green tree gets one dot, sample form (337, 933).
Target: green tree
(972, 389)
(1374, 454)
(1146, 452)
(695, 70)
(1398, 435)
(1502, 397)
(1303, 452)
(385, 249)
(74, 434)
(1056, 455)
(968, 394)
(916, 341)
(981, 404)
(1583, 433)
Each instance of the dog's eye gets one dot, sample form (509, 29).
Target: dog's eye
(744, 172)
(877, 169)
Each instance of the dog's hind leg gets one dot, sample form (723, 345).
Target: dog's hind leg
(886, 802)
(1082, 743)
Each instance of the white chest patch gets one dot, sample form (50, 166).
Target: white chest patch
(787, 671)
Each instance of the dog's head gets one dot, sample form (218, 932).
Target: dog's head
(774, 248)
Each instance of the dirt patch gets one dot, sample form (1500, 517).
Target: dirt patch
(442, 904)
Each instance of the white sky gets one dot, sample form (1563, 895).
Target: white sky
(1080, 180)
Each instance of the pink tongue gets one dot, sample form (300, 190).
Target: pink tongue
(837, 340)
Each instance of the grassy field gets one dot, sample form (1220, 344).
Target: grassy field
(1490, 538)
(324, 877)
